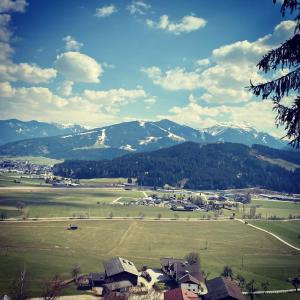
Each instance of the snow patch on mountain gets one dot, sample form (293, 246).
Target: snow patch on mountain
(127, 148)
(171, 135)
(149, 139)
(101, 139)
(142, 123)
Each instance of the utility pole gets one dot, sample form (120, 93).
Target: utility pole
(242, 262)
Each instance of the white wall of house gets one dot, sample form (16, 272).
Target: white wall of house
(192, 287)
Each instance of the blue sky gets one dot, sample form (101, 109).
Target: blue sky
(102, 62)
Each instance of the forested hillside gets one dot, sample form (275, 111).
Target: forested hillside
(195, 166)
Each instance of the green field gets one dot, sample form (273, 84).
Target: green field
(102, 181)
(288, 296)
(97, 202)
(47, 248)
(279, 208)
(39, 160)
(17, 180)
(288, 231)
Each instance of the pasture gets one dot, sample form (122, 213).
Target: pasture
(98, 202)
(17, 180)
(288, 231)
(47, 248)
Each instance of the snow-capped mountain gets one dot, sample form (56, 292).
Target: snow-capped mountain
(131, 137)
(240, 133)
(16, 130)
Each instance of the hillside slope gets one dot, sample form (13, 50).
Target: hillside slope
(192, 165)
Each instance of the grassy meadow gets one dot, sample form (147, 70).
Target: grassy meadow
(97, 202)
(249, 252)
(20, 180)
(289, 231)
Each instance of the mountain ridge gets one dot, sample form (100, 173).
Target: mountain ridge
(133, 136)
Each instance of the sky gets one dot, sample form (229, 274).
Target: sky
(98, 62)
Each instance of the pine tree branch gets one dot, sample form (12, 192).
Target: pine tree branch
(290, 119)
(292, 5)
(287, 55)
(279, 87)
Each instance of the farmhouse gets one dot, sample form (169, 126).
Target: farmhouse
(120, 269)
(180, 294)
(118, 286)
(96, 279)
(222, 289)
(186, 275)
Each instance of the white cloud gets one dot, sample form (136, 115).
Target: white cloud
(105, 11)
(185, 25)
(113, 97)
(71, 43)
(225, 75)
(6, 52)
(9, 71)
(66, 88)
(13, 6)
(138, 7)
(150, 100)
(30, 73)
(5, 33)
(173, 79)
(91, 107)
(203, 62)
(258, 113)
(75, 66)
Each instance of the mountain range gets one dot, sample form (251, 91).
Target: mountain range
(75, 142)
(198, 166)
(15, 130)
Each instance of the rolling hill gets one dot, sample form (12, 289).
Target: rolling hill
(196, 166)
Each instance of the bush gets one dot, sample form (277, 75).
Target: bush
(159, 286)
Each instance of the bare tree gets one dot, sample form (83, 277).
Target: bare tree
(227, 272)
(20, 287)
(192, 258)
(241, 280)
(53, 288)
(296, 282)
(75, 271)
(251, 288)
(265, 285)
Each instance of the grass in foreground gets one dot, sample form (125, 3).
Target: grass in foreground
(47, 248)
(288, 231)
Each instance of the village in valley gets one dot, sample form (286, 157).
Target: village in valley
(175, 277)
(149, 150)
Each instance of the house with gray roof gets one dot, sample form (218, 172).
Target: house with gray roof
(121, 269)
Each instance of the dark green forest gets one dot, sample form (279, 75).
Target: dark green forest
(195, 166)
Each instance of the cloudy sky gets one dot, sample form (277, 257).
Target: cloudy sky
(100, 62)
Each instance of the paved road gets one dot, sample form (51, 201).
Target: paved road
(270, 233)
(274, 292)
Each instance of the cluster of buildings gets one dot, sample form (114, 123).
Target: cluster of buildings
(188, 203)
(24, 167)
(181, 280)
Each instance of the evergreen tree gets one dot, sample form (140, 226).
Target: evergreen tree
(286, 56)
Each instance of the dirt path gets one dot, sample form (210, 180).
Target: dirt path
(124, 237)
(272, 234)
(116, 200)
